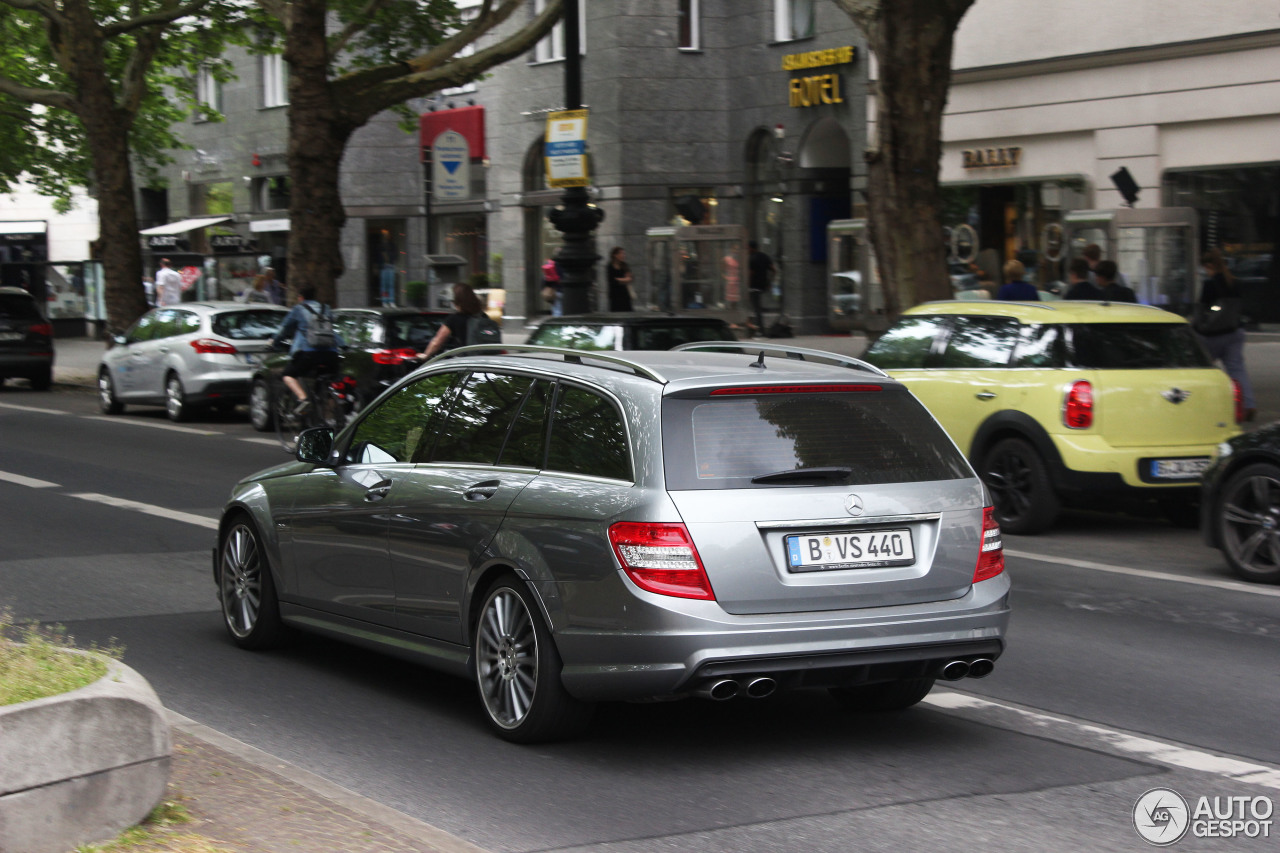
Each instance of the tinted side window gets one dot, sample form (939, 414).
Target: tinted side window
(143, 329)
(15, 307)
(586, 336)
(165, 324)
(527, 444)
(247, 325)
(352, 328)
(415, 330)
(1131, 346)
(186, 323)
(666, 337)
(1040, 346)
(980, 342)
(907, 344)
(481, 416)
(587, 436)
(398, 429)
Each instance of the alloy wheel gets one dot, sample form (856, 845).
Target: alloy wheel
(175, 398)
(507, 658)
(1250, 522)
(241, 581)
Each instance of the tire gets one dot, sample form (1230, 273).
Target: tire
(517, 670)
(260, 413)
(246, 590)
(107, 400)
(1024, 499)
(42, 380)
(1247, 518)
(175, 399)
(886, 696)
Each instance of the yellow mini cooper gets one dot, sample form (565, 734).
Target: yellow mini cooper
(1067, 402)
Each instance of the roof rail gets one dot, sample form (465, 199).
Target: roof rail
(798, 353)
(1021, 303)
(572, 356)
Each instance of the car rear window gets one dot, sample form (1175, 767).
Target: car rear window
(414, 330)
(584, 336)
(17, 307)
(1132, 346)
(247, 325)
(883, 436)
(666, 337)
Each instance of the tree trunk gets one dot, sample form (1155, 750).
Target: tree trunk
(318, 134)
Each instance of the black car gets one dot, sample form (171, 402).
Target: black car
(629, 331)
(26, 339)
(381, 345)
(1240, 504)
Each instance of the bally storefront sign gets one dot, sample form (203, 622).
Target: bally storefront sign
(814, 89)
(992, 158)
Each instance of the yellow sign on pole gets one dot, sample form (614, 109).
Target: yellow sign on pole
(565, 149)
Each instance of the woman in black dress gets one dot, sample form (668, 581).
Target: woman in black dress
(619, 277)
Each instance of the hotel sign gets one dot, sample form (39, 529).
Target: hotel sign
(816, 89)
(992, 158)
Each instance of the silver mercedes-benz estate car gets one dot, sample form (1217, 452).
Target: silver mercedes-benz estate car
(567, 527)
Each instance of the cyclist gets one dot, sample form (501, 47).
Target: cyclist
(309, 355)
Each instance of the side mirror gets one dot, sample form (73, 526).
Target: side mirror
(119, 340)
(315, 445)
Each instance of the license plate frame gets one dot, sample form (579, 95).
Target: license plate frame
(1179, 470)
(10, 337)
(845, 550)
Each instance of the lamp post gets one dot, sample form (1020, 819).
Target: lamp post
(576, 218)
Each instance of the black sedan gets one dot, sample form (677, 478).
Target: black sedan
(1240, 504)
(629, 331)
(381, 346)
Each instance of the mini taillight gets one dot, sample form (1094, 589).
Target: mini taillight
(1238, 398)
(41, 329)
(794, 389)
(206, 346)
(1077, 409)
(661, 558)
(393, 356)
(991, 552)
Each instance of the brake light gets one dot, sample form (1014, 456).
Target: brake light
(794, 389)
(991, 552)
(393, 356)
(206, 346)
(1077, 410)
(1238, 398)
(41, 329)
(661, 558)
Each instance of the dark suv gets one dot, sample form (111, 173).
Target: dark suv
(640, 330)
(26, 339)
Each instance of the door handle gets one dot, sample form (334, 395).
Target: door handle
(482, 491)
(377, 491)
(986, 395)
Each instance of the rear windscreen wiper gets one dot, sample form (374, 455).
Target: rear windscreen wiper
(806, 475)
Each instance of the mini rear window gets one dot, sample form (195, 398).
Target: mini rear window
(16, 307)
(883, 436)
(1134, 346)
(248, 325)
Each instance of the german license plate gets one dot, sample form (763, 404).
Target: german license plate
(861, 550)
(11, 336)
(1178, 469)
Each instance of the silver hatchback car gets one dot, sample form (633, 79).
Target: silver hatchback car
(187, 356)
(567, 527)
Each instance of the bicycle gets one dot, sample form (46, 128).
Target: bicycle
(333, 402)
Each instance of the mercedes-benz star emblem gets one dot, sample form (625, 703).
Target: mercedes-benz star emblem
(853, 505)
(1175, 395)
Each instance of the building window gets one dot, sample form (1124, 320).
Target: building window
(271, 194)
(275, 81)
(792, 19)
(690, 24)
(551, 48)
(208, 90)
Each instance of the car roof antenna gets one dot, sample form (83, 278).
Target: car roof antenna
(759, 362)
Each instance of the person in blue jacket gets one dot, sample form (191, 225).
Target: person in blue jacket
(305, 359)
(1014, 287)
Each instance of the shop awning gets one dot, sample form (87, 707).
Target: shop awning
(260, 225)
(182, 226)
(36, 227)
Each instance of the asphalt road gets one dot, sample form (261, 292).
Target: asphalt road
(1114, 682)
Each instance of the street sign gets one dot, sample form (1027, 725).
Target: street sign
(450, 167)
(565, 149)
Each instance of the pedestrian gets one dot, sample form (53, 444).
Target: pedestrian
(467, 325)
(618, 275)
(1112, 290)
(149, 290)
(1015, 289)
(257, 292)
(1092, 254)
(387, 285)
(551, 286)
(1078, 284)
(1219, 323)
(760, 269)
(168, 285)
(273, 287)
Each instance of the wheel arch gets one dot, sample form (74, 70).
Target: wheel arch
(1015, 424)
(270, 546)
(484, 579)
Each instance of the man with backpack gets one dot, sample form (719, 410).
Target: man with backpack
(315, 344)
(468, 325)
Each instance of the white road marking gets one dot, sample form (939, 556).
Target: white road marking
(27, 481)
(149, 509)
(152, 424)
(1113, 741)
(1233, 586)
(271, 442)
(32, 409)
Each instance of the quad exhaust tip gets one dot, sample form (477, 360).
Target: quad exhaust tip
(954, 670)
(981, 668)
(725, 688)
(758, 688)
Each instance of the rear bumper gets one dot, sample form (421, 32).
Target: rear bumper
(671, 646)
(1087, 463)
(25, 363)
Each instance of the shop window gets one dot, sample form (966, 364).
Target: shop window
(690, 24)
(271, 193)
(275, 80)
(208, 91)
(551, 48)
(792, 19)
(693, 206)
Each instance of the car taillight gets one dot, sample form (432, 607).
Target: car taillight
(205, 346)
(661, 558)
(1238, 398)
(991, 552)
(41, 329)
(1077, 409)
(393, 356)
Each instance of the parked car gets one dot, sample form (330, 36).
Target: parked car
(567, 527)
(197, 354)
(382, 345)
(1067, 401)
(1241, 504)
(640, 330)
(26, 339)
